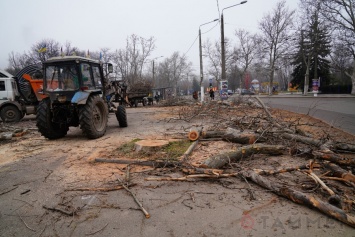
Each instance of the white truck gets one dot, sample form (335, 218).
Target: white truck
(16, 102)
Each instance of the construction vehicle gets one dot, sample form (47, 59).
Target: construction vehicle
(76, 93)
(19, 95)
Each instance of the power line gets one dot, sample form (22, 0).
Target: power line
(191, 45)
(211, 28)
(197, 38)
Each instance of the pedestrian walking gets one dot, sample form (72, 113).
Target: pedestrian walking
(212, 94)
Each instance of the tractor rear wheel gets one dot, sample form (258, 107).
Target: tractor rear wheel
(44, 123)
(121, 116)
(93, 117)
(11, 113)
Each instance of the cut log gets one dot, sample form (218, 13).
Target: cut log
(345, 147)
(335, 158)
(220, 160)
(150, 145)
(234, 135)
(301, 198)
(193, 135)
(156, 164)
(189, 150)
(284, 170)
(340, 172)
(303, 139)
(192, 176)
(213, 134)
(196, 170)
(98, 189)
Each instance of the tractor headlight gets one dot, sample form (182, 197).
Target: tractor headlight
(61, 98)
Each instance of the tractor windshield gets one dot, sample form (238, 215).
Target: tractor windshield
(61, 77)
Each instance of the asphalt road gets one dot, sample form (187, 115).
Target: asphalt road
(338, 111)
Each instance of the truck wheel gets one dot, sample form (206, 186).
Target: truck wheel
(93, 117)
(44, 123)
(11, 113)
(121, 116)
(136, 103)
(144, 101)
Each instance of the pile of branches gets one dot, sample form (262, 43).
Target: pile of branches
(140, 87)
(326, 163)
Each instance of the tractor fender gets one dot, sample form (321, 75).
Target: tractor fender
(80, 97)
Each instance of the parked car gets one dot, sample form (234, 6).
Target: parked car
(247, 92)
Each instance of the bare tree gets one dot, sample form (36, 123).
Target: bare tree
(341, 59)
(213, 54)
(69, 50)
(130, 61)
(39, 52)
(17, 61)
(173, 70)
(43, 50)
(342, 14)
(246, 52)
(275, 28)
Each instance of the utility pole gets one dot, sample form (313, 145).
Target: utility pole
(201, 64)
(154, 69)
(223, 54)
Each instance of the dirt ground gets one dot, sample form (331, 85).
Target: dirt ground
(41, 179)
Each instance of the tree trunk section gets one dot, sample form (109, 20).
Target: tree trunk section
(220, 160)
(345, 147)
(340, 172)
(303, 139)
(335, 158)
(301, 198)
(234, 135)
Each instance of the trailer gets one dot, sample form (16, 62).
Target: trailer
(135, 98)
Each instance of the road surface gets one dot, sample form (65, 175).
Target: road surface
(338, 111)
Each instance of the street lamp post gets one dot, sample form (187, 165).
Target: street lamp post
(200, 46)
(223, 54)
(201, 64)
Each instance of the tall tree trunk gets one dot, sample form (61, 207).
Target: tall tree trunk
(353, 80)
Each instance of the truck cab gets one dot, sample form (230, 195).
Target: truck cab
(8, 88)
(10, 109)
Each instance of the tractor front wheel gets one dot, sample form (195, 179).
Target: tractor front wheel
(93, 117)
(121, 116)
(44, 123)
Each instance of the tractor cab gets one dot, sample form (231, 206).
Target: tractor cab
(65, 76)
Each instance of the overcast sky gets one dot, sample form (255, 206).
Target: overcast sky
(93, 24)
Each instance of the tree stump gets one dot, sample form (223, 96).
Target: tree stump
(150, 145)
